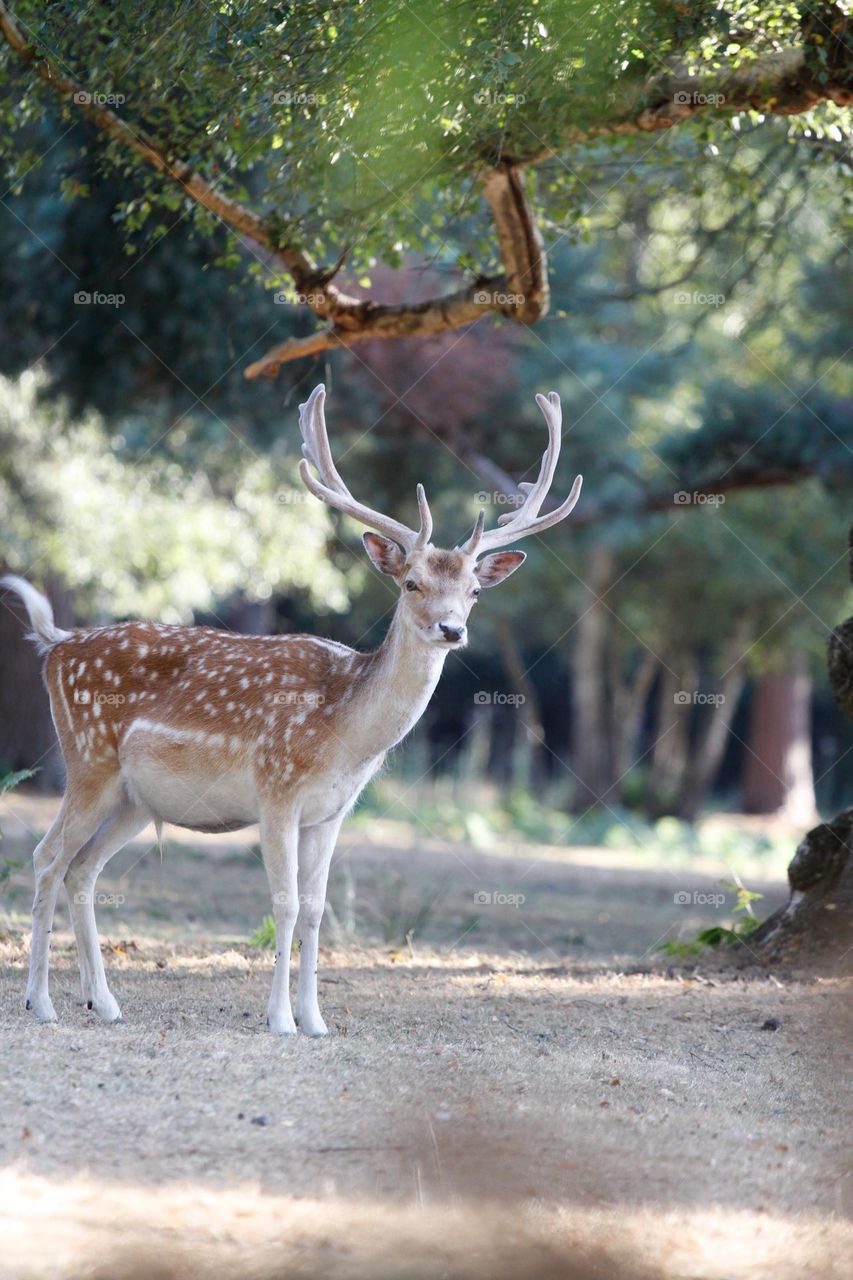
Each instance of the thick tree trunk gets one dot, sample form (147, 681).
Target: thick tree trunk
(778, 766)
(816, 926)
(27, 736)
(591, 750)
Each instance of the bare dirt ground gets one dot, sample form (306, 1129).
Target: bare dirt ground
(524, 1089)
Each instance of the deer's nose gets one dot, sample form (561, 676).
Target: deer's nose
(451, 632)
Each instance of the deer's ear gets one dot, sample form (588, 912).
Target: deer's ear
(384, 554)
(494, 569)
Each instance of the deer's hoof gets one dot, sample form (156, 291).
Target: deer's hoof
(281, 1025)
(105, 1005)
(311, 1024)
(41, 1008)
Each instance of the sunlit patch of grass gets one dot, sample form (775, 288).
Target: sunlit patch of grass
(484, 818)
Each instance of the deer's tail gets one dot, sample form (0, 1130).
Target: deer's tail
(45, 633)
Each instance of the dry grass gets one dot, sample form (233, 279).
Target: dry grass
(483, 1109)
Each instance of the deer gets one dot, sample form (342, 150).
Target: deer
(214, 731)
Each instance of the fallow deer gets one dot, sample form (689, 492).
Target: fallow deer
(214, 731)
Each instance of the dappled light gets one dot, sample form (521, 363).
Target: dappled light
(285, 1236)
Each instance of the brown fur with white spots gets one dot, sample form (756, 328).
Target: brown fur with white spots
(214, 731)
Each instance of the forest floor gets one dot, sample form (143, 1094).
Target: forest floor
(524, 1088)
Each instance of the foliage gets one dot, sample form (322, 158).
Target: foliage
(8, 782)
(484, 820)
(670, 837)
(264, 936)
(162, 360)
(332, 119)
(149, 538)
(720, 935)
(7, 870)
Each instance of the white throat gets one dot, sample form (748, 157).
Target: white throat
(398, 684)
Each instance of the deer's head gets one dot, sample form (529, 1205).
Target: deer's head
(438, 588)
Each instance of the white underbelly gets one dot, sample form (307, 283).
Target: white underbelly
(187, 781)
(193, 779)
(198, 801)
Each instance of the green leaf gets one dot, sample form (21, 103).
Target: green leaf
(10, 780)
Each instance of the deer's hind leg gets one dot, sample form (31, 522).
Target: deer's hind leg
(80, 880)
(280, 849)
(84, 808)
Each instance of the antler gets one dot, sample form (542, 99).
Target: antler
(527, 520)
(331, 489)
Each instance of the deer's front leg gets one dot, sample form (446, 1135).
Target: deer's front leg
(280, 846)
(316, 846)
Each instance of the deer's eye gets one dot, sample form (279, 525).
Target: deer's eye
(476, 592)
(411, 586)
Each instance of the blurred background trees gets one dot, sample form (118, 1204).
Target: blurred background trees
(661, 653)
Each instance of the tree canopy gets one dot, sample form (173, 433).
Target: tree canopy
(325, 139)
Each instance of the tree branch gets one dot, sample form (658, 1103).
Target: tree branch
(352, 319)
(399, 320)
(521, 294)
(785, 83)
(240, 219)
(521, 245)
(653, 503)
(780, 84)
(667, 500)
